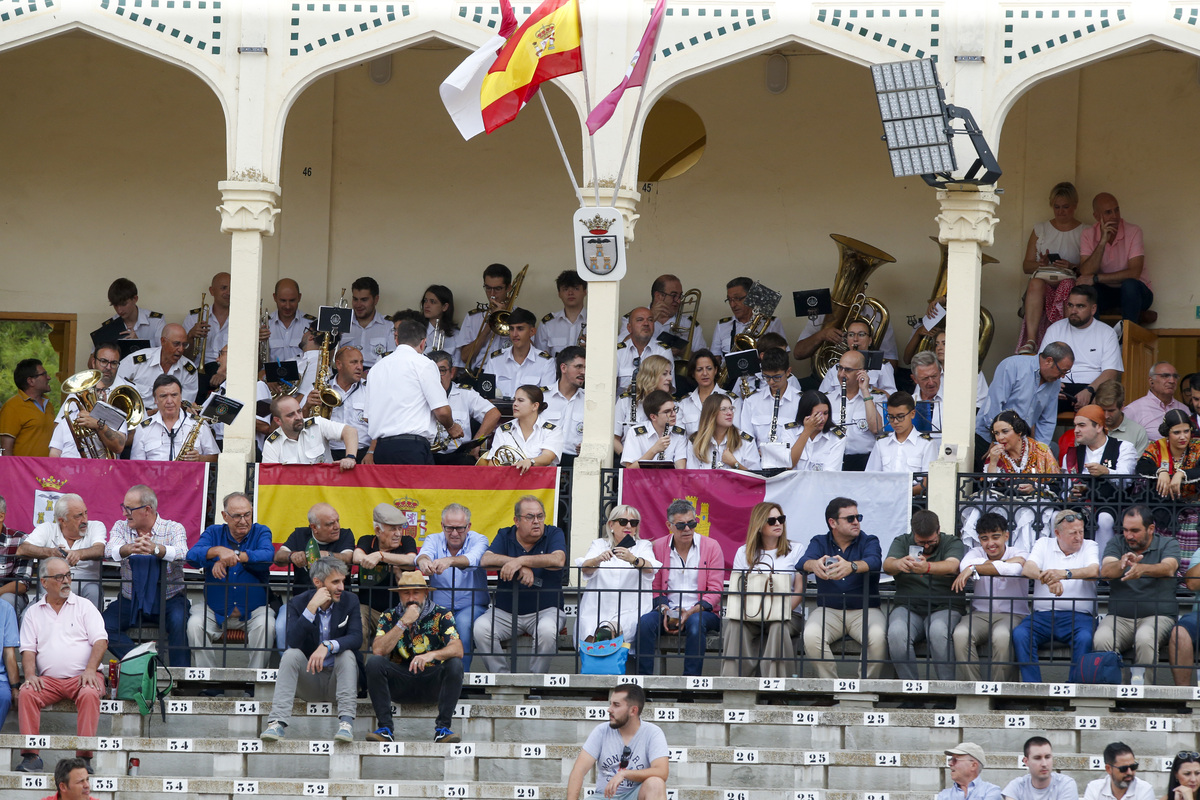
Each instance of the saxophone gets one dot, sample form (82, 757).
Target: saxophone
(189, 444)
(330, 393)
(856, 261)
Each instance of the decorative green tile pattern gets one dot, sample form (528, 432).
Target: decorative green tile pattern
(15, 9)
(476, 14)
(1187, 15)
(724, 22)
(872, 23)
(357, 18)
(150, 14)
(1069, 23)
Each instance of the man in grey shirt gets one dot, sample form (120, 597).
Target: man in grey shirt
(630, 755)
(1042, 782)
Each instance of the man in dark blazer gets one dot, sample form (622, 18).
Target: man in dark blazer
(322, 661)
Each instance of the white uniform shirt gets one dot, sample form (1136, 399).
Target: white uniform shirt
(760, 418)
(537, 370)
(822, 453)
(306, 365)
(1096, 348)
(627, 354)
(467, 405)
(640, 438)
(310, 447)
(466, 335)
(449, 341)
(722, 341)
(375, 340)
(888, 345)
(567, 415)
(404, 390)
(911, 455)
(688, 410)
(883, 379)
(859, 438)
(285, 340)
(149, 325)
(218, 334)
(48, 534)
(746, 453)
(557, 332)
(1078, 595)
(545, 436)
(627, 416)
(141, 368)
(152, 439)
(1127, 458)
(351, 412)
(62, 438)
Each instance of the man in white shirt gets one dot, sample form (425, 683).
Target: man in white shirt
(856, 411)
(1064, 570)
(348, 371)
(767, 411)
(216, 330)
(139, 322)
(404, 398)
(370, 331)
(467, 406)
(1097, 350)
(1000, 600)
(162, 435)
(927, 375)
(1042, 782)
(141, 369)
(666, 295)
(742, 315)
(564, 400)
(74, 538)
(297, 440)
(1111, 398)
(904, 450)
(568, 327)
(522, 363)
(1121, 781)
(858, 337)
(285, 325)
(637, 346)
(106, 359)
(814, 334)
(475, 339)
(1097, 454)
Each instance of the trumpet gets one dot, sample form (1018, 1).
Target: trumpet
(82, 388)
(442, 440)
(200, 342)
(497, 321)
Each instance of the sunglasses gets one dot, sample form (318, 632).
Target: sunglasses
(683, 526)
(1127, 768)
(1187, 755)
(852, 518)
(1072, 517)
(782, 518)
(622, 522)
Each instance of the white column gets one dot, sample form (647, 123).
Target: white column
(965, 225)
(248, 210)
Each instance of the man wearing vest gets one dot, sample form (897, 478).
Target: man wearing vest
(1097, 454)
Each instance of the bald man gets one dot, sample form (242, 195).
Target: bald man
(637, 346)
(1114, 260)
(325, 529)
(143, 367)
(285, 325)
(217, 327)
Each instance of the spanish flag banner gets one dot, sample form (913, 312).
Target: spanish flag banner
(285, 493)
(546, 46)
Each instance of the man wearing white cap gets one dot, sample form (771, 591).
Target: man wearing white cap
(966, 762)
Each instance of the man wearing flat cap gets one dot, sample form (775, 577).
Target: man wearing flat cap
(966, 762)
(377, 554)
(417, 658)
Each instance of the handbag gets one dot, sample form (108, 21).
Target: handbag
(756, 596)
(1100, 667)
(138, 679)
(603, 658)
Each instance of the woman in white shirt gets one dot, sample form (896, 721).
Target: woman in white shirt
(717, 443)
(1053, 253)
(437, 305)
(815, 445)
(540, 443)
(616, 575)
(765, 645)
(655, 372)
(702, 369)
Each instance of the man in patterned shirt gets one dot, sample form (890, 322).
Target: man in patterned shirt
(417, 654)
(15, 573)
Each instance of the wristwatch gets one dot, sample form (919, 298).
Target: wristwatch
(1070, 575)
(328, 644)
(854, 566)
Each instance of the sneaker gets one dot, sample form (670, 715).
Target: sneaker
(30, 762)
(273, 732)
(380, 735)
(345, 732)
(446, 735)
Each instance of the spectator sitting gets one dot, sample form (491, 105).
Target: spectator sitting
(630, 756)
(1028, 385)
(62, 642)
(1149, 409)
(1013, 451)
(966, 762)
(1042, 782)
(815, 444)
(1192, 386)
(1114, 260)
(322, 661)
(1052, 279)
(1174, 463)
(1097, 454)
(15, 569)
(417, 658)
(72, 778)
(1000, 600)
(1121, 781)
(531, 557)
(450, 559)
(765, 645)
(376, 555)
(236, 559)
(924, 564)
(324, 536)
(1097, 350)
(71, 535)
(687, 591)
(10, 640)
(1064, 570)
(1184, 783)
(842, 560)
(617, 576)
(1111, 397)
(904, 450)
(151, 551)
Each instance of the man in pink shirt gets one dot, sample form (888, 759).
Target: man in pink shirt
(62, 642)
(1113, 260)
(1149, 410)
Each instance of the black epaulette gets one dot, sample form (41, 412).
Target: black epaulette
(308, 423)
(139, 359)
(508, 426)
(195, 311)
(676, 429)
(475, 311)
(543, 354)
(792, 425)
(692, 438)
(747, 437)
(640, 430)
(879, 391)
(155, 315)
(724, 320)
(548, 426)
(927, 435)
(620, 345)
(548, 317)
(628, 391)
(144, 422)
(309, 317)
(189, 368)
(274, 435)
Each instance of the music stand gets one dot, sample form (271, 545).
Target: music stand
(334, 319)
(813, 303)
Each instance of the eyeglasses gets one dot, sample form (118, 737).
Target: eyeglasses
(444, 370)
(673, 295)
(1168, 375)
(42, 375)
(898, 417)
(104, 362)
(732, 300)
(1127, 768)
(533, 517)
(782, 518)
(622, 522)
(840, 368)
(60, 577)
(455, 528)
(852, 518)
(780, 376)
(683, 526)
(240, 517)
(129, 511)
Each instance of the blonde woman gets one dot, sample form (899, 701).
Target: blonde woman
(617, 573)
(765, 645)
(717, 443)
(655, 372)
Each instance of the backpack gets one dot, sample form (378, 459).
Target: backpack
(138, 679)
(1100, 667)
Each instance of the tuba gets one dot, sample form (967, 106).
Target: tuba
(856, 262)
(331, 394)
(987, 323)
(82, 388)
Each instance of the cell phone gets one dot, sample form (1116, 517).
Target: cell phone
(1052, 257)
(830, 561)
(916, 551)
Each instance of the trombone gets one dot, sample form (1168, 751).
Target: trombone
(683, 326)
(497, 321)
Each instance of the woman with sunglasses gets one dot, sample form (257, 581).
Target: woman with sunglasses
(766, 646)
(717, 442)
(541, 443)
(702, 369)
(655, 373)
(1185, 776)
(616, 576)
(1014, 451)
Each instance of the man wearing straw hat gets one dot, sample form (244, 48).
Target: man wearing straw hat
(417, 658)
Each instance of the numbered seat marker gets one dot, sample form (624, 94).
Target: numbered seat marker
(387, 790)
(454, 790)
(887, 759)
(109, 743)
(1016, 721)
(1087, 723)
(745, 756)
(462, 750)
(316, 789)
(805, 717)
(557, 680)
(245, 787)
(945, 720)
(660, 714)
(249, 746)
(1128, 692)
(391, 748)
(196, 674)
(699, 682)
(737, 715)
(179, 706)
(179, 745)
(816, 758)
(175, 785)
(875, 718)
(320, 747)
(525, 793)
(99, 784)
(533, 751)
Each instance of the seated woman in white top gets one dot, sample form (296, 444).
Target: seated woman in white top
(617, 577)
(538, 444)
(765, 645)
(702, 369)
(717, 442)
(655, 372)
(814, 442)
(659, 439)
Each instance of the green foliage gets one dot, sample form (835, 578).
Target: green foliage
(20, 340)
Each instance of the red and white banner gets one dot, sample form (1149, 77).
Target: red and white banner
(31, 485)
(724, 498)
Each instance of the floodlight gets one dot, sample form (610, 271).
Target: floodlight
(916, 125)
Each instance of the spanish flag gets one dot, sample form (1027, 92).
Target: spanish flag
(546, 46)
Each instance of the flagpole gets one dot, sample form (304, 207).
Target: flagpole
(638, 108)
(587, 101)
(561, 150)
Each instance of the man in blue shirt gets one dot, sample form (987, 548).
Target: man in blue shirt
(846, 562)
(1029, 386)
(236, 559)
(531, 557)
(966, 762)
(450, 560)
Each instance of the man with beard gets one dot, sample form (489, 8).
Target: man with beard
(297, 440)
(1097, 350)
(1121, 782)
(564, 400)
(630, 755)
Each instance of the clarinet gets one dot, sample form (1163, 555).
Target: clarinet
(775, 416)
(667, 433)
(839, 430)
